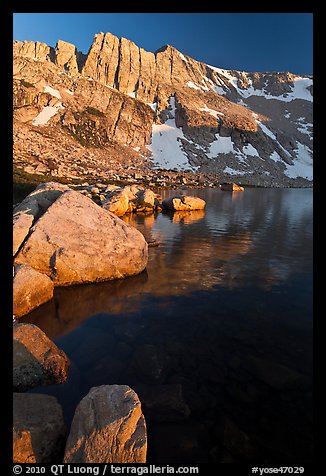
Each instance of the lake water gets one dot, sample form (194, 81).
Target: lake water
(215, 336)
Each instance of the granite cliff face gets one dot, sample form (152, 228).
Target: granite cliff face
(122, 108)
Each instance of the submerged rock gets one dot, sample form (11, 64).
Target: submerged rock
(163, 402)
(183, 202)
(38, 428)
(76, 241)
(108, 427)
(36, 359)
(27, 297)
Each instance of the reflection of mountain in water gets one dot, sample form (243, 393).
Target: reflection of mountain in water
(259, 238)
(215, 336)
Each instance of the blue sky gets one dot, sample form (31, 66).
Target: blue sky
(242, 41)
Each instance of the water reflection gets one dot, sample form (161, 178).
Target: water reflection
(215, 336)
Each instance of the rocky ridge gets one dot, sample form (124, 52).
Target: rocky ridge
(119, 105)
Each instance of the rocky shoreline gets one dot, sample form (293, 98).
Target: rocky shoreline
(223, 383)
(63, 237)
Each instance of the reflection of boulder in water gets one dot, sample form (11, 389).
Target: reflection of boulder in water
(72, 305)
(187, 217)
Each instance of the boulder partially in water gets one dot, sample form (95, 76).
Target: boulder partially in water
(130, 199)
(108, 427)
(76, 241)
(38, 428)
(30, 289)
(183, 202)
(31, 208)
(231, 187)
(36, 359)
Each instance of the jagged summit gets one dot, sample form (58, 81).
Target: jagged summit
(251, 127)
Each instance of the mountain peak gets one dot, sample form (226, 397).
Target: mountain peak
(226, 121)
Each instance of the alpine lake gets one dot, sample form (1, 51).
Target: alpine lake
(215, 335)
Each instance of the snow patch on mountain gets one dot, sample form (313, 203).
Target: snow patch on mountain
(250, 150)
(299, 89)
(212, 112)
(183, 57)
(54, 92)
(302, 166)
(303, 126)
(219, 90)
(230, 171)
(166, 146)
(269, 133)
(45, 115)
(222, 145)
(152, 105)
(192, 85)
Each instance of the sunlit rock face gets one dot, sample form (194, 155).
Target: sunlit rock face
(108, 427)
(77, 241)
(122, 108)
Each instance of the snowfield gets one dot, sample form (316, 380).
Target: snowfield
(303, 164)
(166, 146)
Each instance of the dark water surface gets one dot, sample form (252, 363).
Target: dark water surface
(215, 336)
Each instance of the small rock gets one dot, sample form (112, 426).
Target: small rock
(231, 187)
(153, 243)
(38, 428)
(30, 289)
(31, 208)
(183, 202)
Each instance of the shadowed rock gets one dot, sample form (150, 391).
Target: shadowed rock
(163, 402)
(231, 187)
(36, 359)
(38, 428)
